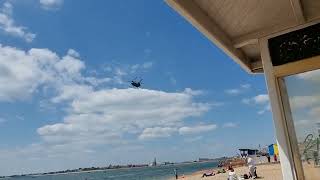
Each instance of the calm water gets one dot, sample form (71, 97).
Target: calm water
(152, 173)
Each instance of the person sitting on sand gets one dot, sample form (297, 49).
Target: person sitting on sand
(221, 171)
(232, 175)
(245, 176)
(206, 174)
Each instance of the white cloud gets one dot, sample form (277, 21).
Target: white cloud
(230, 125)
(96, 81)
(197, 129)
(193, 92)
(236, 91)
(140, 67)
(20, 72)
(265, 109)
(8, 25)
(246, 101)
(46, 105)
(299, 102)
(245, 86)
(70, 66)
(94, 116)
(99, 114)
(124, 73)
(71, 92)
(109, 114)
(7, 8)
(310, 75)
(120, 72)
(73, 53)
(261, 100)
(24, 72)
(51, 4)
(233, 91)
(157, 132)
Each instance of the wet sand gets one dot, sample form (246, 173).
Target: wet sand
(265, 171)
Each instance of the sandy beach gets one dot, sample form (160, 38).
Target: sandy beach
(265, 171)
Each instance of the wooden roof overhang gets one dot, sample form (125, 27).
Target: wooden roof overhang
(236, 26)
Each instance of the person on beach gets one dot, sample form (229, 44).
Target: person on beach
(232, 175)
(206, 174)
(275, 158)
(252, 167)
(221, 171)
(268, 157)
(175, 173)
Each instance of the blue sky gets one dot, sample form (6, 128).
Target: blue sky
(65, 100)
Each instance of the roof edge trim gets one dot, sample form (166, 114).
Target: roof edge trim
(200, 20)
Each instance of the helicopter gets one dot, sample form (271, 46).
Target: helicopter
(135, 83)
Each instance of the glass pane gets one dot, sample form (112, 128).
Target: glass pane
(304, 97)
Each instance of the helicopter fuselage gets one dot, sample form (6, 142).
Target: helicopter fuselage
(136, 84)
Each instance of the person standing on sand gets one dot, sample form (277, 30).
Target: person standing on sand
(175, 173)
(275, 158)
(232, 175)
(268, 157)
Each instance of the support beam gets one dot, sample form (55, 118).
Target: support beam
(298, 11)
(281, 127)
(252, 38)
(297, 67)
(198, 18)
(239, 43)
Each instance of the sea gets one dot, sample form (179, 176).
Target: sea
(145, 173)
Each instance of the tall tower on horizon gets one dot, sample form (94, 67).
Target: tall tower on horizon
(154, 163)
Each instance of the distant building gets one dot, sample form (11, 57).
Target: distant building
(247, 152)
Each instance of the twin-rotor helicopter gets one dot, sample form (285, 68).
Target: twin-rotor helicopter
(136, 83)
